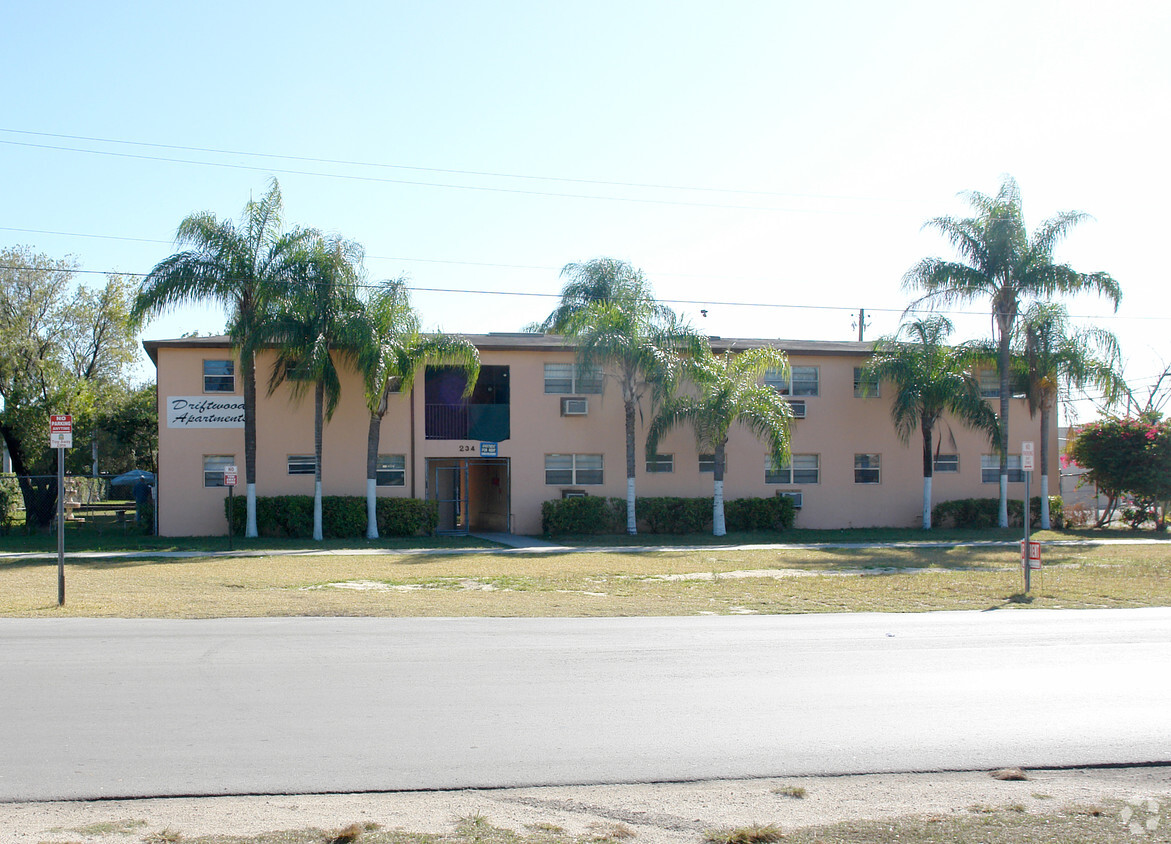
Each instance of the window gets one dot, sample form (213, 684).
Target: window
(219, 376)
(802, 469)
(989, 383)
(707, 464)
(801, 381)
(390, 470)
(568, 378)
(302, 464)
(947, 463)
(660, 464)
(213, 468)
(573, 469)
(866, 385)
(990, 469)
(867, 468)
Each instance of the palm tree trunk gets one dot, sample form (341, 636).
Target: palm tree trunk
(372, 476)
(318, 416)
(248, 364)
(927, 427)
(1003, 364)
(1044, 466)
(718, 527)
(631, 516)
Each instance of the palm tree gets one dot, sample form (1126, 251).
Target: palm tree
(392, 357)
(1055, 361)
(728, 392)
(930, 378)
(609, 310)
(319, 321)
(242, 268)
(1000, 261)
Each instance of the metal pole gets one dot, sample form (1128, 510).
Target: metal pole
(60, 527)
(231, 512)
(1028, 567)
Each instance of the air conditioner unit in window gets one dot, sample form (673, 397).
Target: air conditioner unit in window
(573, 493)
(796, 496)
(575, 407)
(798, 408)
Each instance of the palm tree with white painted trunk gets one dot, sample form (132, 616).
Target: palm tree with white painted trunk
(719, 392)
(1056, 359)
(1001, 262)
(242, 267)
(609, 313)
(317, 325)
(395, 351)
(929, 378)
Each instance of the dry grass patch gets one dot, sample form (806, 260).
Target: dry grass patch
(643, 583)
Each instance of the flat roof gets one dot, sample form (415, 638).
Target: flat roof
(522, 341)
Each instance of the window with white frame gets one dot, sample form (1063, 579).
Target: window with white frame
(867, 468)
(866, 384)
(989, 383)
(573, 469)
(801, 469)
(663, 464)
(707, 464)
(390, 470)
(990, 469)
(302, 464)
(947, 463)
(570, 379)
(801, 381)
(219, 376)
(213, 468)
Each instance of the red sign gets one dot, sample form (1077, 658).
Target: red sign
(230, 475)
(61, 424)
(1031, 556)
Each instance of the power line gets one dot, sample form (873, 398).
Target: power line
(414, 183)
(451, 171)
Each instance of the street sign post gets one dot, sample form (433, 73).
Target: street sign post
(61, 438)
(1027, 466)
(230, 476)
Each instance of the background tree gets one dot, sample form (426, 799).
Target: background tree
(241, 268)
(1127, 457)
(929, 378)
(392, 356)
(610, 313)
(317, 321)
(1055, 360)
(61, 349)
(727, 392)
(999, 261)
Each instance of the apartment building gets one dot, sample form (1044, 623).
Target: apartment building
(536, 428)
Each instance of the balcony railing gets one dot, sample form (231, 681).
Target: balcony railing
(486, 422)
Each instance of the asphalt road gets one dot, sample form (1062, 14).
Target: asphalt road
(121, 708)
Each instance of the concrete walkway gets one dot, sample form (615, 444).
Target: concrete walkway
(516, 544)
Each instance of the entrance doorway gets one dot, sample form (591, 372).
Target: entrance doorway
(472, 493)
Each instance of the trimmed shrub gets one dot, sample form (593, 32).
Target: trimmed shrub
(776, 512)
(674, 515)
(982, 512)
(342, 516)
(588, 514)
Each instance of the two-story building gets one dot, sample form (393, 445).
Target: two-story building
(536, 428)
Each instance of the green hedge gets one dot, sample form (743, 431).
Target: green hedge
(599, 515)
(983, 512)
(342, 516)
(588, 514)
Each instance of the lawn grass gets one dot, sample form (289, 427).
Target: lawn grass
(716, 581)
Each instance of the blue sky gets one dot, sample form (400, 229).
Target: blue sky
(798, 147)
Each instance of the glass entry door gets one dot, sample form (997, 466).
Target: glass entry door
(448, 484)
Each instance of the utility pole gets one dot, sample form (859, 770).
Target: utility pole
(861, 324)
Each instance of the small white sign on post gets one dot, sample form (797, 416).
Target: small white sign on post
(230, 475)
(1027, 461)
